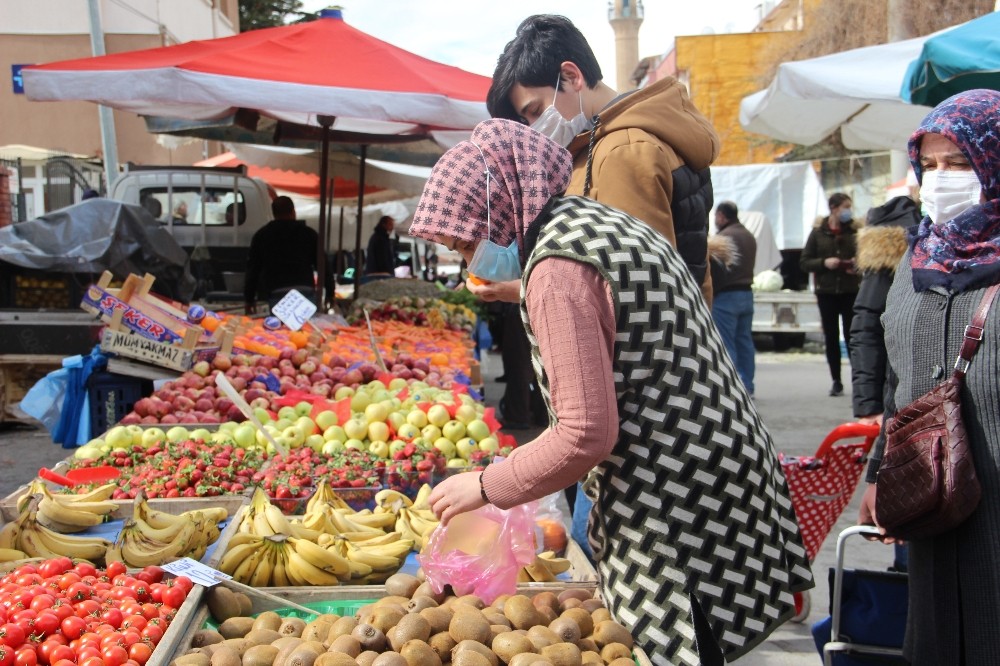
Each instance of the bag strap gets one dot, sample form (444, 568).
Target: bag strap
(974, 333)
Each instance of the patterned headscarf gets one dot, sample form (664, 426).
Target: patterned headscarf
(963, 253)
(526, 168)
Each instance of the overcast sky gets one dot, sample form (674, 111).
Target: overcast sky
(471, 34)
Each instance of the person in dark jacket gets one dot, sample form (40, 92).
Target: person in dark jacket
(380, 257)
(282, 257)
(829, 254)
(881, 245)
(732, 253)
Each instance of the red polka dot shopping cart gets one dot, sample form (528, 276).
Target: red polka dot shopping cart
(821, 485)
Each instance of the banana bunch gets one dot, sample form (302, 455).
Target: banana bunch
(28, 535)
(12, 555)
(544, 569)
(70, 513)
(280, 560)
(154, 537)
(263, 519)
(376, 557)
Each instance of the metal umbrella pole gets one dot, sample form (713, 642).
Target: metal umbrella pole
(326, 122)
(357, 235)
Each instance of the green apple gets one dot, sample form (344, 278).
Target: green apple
(379, 448)
(228, 426)
(376, 412)
(489, 445)
(325, 419)
(119, 437)
(335, 432)
(283, 423)
(262, 415)
(438, 415)
(397, 384)
(306, 425)
(457, 463)
(88, 451)
(288, 413)
(262, 438)
(203, 434)
(430, 432)
(417, 417)
(378, 431)
(446, 447)
(315, 442)
(453, 430)
(286, 442)
(294, 435)
(222, 437)
(180, 433)
(375, 385)
(356, 428)
(354, 444)
(395, 446)
(136, 431)
(465, 413)
(332, 446)
(477, 429)
(153, 436)
(245, 435)
(360, 401)
(465, 447)
(396, 420)
(343, 392)
(420, 443)
(408, 431)
(303, 408)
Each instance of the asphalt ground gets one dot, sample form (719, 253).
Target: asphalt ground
(791, 395)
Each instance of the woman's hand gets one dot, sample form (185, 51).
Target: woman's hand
(455, 495)
(866, 515)
(872, 419)
(832, 263)
(508, 292)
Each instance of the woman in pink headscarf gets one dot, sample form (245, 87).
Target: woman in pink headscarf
(693, 532)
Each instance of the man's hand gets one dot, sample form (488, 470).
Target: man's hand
(508, 292)
(455, 495)
(832, 263)
(872, 419)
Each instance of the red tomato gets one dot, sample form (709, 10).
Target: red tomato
(7, 655)
(184, 583)
(114, 655)
(60, 653)
(120, 593)
(42, 602)
(154, 572)
(87, 653)
(64, 662)
(116, 569)
(44, 650)
(85, 569)
(12, 635)
(79, 592)
(62, 609)
(25, 656)
(174, 596)
(46, 623)
(112, 616)
(153, 633)
(134, 621)
(91, 661)
(140, 652)
(55, 566)
(73, 627)
(87, 608)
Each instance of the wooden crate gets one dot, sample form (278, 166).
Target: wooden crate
(640, 657)
(178, 630)
(18, 373)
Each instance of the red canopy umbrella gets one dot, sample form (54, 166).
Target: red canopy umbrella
(322, 74)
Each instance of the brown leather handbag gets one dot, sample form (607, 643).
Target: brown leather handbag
(927, 481)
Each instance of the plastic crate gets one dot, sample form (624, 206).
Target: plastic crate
(112, 396)
(345, 608)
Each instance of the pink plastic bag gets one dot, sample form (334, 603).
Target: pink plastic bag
(481, 552)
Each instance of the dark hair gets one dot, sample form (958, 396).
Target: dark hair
(837, 198)
(283, 208)
(729, 211)
(385, 218)
(242, 209)
(533, 58)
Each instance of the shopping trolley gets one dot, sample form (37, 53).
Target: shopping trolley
(821, 485)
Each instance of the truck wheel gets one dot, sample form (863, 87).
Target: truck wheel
(785, 341)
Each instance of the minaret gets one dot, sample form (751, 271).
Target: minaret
(625, 17)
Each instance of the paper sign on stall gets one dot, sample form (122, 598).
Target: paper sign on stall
(196, 571)
(294, 310)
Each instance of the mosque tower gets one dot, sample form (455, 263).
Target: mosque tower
(625, 17)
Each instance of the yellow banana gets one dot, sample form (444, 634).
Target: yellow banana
(99, 494)
(216, 514)
(279, 577)
(420, 501)
(86, 548)
(342, 523)
(320, 557)
(277, 521)
(301, 572)
(260, 525)
(140, 551)
(261, 576)
(378, 520)
(9, 535)
(397, 549)
(31, 543)
(556, 565)
(244, 570)
(11, 554)
(237, 554)
(241, 538)
(359, 570)
(315, 520)
(182, 531)
(376, 561)
(324, 493)
(65, 517)
(389, 498)
(371, 538)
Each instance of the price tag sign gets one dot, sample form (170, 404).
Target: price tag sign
(294, 310)
(196, 571)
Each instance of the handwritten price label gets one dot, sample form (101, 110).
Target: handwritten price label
(196, 571)
(294, 310)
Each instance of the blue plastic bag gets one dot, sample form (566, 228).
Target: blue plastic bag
(60, 400)
(481, 336)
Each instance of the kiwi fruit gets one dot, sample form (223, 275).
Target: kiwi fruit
(347, 644)
(496, 630)
(383, 618)
(572, 602)
(521, 612)
(389, 659)
(334, 659)
(442, 643)
(500, 601)
(587, 645)
(317, 630)
(222, 603)
(566, 629)
(609, 631)
(590, 605)
(419, 653)
(549, 599)
(401, 584)
(546, 615)
(366, 658)
(341, 627)
(393, 600)
(600, 615)
(438, 618)
(226, 656)
(495, 617)
(623, 661)
(246, 603)
(238, 644)
(591, 657)
(613, 651)
(425, 590)
(583, 619)
(286, 645)
(469, 658)
(469, 626)
(267, 620)
(417, 604)
(542, 637)
(370, 637)
(529, 659)
(477, 647)
(471, 600)
(303, 655)
(292, 626)
(236, 627)
(195, 659)
(575, 593)
(261, 637)
(511, 643)
(206, 637)
(260, 655)
(410, 628)
(563, 654)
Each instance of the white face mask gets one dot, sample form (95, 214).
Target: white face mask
(944, 195)
(552, 124)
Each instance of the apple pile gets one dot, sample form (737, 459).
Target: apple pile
(432, 312)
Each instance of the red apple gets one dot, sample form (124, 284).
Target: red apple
(222, 361)
(201, 368)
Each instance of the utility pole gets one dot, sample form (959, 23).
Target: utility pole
(899, 29)
(109, 141)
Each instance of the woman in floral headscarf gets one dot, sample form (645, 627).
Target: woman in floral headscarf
(693, 532)
(954, 257)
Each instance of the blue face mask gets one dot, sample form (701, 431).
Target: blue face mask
(492, 262)
(846, 215)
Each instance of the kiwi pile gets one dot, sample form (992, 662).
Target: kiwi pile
(413, 626)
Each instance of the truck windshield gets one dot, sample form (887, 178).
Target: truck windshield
(192, 205)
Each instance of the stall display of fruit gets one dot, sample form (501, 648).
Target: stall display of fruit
(59, 613)
(414, 626)
(431, 312)
(26, 537)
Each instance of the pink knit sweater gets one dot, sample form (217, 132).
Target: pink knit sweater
(573, 317)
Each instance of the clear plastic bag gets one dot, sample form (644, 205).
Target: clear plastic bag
(481, 552)
(550, 525)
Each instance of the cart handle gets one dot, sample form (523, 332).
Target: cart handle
(846, 430)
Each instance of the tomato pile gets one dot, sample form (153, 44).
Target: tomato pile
(56, 613)
(182, 469)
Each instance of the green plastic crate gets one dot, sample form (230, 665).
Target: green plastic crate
(340, 607)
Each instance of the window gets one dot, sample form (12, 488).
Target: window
(190, 204)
